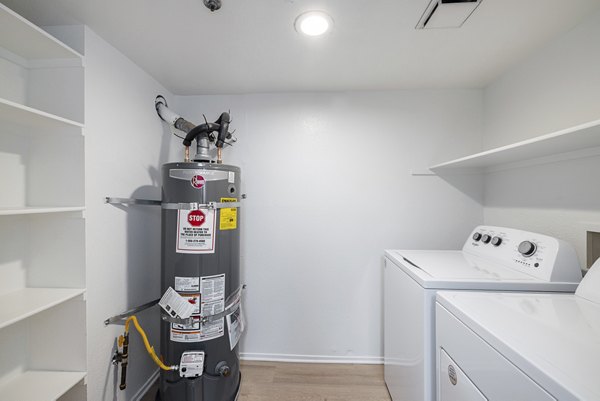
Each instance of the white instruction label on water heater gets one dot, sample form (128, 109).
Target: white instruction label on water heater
(196, 231)
(212, 301)
(235, 326)
(187, 284)
(212, 291)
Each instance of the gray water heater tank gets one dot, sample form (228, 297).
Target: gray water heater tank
(201, 261)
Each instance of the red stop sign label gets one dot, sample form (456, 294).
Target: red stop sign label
(196, 218)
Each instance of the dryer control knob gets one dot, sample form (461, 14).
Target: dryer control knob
(486, 239)
(496, 241)
(527, 248)
(476, 237)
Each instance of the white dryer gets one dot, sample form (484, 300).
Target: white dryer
(493, 259)
(520, 347)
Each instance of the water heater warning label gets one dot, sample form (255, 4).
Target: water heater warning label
(187, 284)
(196, 231)
(210, 301)
(228, 216)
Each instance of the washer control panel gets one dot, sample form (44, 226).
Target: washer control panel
(538, 255)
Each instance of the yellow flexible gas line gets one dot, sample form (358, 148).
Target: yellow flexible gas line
(149, 348)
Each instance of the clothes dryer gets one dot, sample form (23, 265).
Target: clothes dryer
(520, 346)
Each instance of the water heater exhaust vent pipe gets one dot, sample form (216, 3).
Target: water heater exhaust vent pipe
(447, 13)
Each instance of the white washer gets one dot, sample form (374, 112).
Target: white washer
(493, 258)
(520, 347)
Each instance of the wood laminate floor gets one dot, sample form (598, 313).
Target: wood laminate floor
(274, 381)
(277, 381)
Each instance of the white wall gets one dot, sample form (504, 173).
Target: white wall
(125, 145)
(555, 88)
(329, 188)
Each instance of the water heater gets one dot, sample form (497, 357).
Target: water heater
(200, 266)
(201, 262)
(201, 311)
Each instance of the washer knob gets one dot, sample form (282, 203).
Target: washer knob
(476, 237)
(496, 241)
(486, 239)
(527, 248)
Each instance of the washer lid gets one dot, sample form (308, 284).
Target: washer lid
(463, 271)
(458, 265)
(553, 338)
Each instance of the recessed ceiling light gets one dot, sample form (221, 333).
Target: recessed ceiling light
(313, 23)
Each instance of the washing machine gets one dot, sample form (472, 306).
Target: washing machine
(492, 259)
(520, 346)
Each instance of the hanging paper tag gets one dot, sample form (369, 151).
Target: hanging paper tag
(235, 326)
(176, 305)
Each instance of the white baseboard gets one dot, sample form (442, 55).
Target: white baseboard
(364, 360)
(144, 389)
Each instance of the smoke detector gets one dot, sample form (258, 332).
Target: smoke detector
(447, 13)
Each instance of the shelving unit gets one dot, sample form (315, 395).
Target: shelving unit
(26, 302)
(40, 385)
(42, 225)
(15, 113)
(39, 210)
(578, 138)
(26, 40)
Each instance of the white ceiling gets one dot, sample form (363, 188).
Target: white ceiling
(251, 45)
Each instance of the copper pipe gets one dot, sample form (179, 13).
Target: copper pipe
(187, 154)
(219, 155)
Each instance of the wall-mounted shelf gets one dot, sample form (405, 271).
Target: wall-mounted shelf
(29, 117)
(21, 304)
(40, 385)
(26, 40)
(10, 211)
(578, 138)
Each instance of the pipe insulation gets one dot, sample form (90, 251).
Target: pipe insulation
(192, 130)
(203, 134)
(164, 112)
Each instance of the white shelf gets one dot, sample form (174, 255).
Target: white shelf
(39, 386)
(42, 153)
(21, 304)
(21, 37)
(12, 211)
(579, 138)
(23, 115)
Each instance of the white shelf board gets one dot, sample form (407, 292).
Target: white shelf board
(27, 116)
(21, 37)
(21, 304)
(11, 211)
(578, 138)
(39, 385)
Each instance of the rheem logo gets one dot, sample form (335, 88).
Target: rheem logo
(198, 181)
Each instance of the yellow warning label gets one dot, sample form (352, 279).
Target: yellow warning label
(228, 219)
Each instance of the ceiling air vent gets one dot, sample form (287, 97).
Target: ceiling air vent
(447, 13)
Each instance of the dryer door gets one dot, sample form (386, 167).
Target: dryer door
(454, 384)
